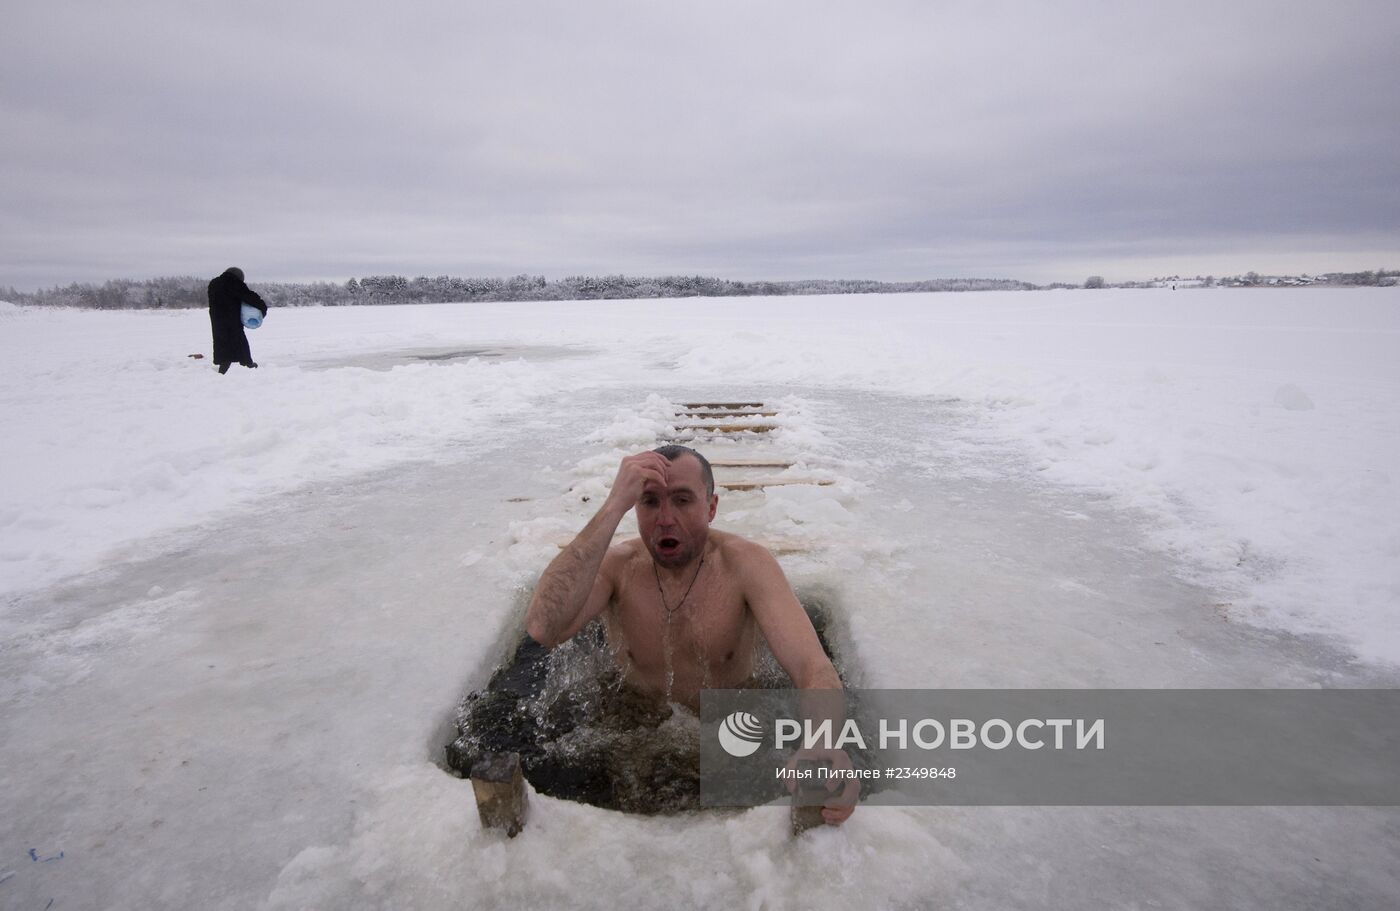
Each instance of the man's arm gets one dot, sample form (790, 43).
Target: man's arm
(572, 591)
(785, 625)
(793, 641)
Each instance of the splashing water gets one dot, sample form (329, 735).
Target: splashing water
(583, 733)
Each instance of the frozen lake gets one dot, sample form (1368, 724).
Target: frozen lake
(242, 609)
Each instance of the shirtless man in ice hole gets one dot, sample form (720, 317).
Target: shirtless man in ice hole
(717, 591)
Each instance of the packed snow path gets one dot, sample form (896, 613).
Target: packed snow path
(255, 716)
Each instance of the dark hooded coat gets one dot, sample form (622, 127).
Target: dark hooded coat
(227, 295)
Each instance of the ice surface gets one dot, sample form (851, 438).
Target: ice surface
(1190, 407)
(287, 578)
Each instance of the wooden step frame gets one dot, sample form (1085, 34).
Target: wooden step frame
(726, 414)
(750, 463)
(729, 428)
(760, 483)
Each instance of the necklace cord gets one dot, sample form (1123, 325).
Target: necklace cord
(660, 591)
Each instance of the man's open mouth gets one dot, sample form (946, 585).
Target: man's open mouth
(668, 543)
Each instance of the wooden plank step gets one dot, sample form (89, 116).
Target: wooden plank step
(749, 463)
(729, 405)
(761, 483)
(729, 428)
(726, 414)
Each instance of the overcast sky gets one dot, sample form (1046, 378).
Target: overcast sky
(748, 140)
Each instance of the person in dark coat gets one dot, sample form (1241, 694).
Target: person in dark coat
(227, 295)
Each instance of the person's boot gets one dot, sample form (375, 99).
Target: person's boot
(223, 368)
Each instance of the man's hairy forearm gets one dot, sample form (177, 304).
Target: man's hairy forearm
(563, 590)
(820, 675)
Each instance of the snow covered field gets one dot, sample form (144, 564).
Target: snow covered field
(239, 610)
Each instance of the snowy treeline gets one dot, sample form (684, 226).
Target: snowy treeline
(181, 292)
(189, 291)
(1380, 277)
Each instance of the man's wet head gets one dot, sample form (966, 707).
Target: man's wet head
(674, 518)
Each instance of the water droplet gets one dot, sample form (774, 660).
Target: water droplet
(667, 657)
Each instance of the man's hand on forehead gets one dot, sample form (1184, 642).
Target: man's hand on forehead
(635, 472)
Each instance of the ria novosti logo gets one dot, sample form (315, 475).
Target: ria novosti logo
(740, 734)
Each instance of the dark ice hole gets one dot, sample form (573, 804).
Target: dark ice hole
(583, 735)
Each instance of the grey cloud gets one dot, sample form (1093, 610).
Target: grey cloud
(900, 140)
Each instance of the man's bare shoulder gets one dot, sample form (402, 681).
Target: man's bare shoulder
(752, 566)
(739, 552)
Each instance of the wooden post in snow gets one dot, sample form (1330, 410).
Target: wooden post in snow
(805, 817)
(499, 786)
(808, 798)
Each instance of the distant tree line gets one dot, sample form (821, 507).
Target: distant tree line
(1378, 278)
(183, 292)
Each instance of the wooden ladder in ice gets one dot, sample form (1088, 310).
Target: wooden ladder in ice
(735, 420)
(744, 422)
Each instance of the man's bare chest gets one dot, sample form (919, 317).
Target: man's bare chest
(709, 623)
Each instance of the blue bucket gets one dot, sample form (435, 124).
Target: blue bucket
(252, 317)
